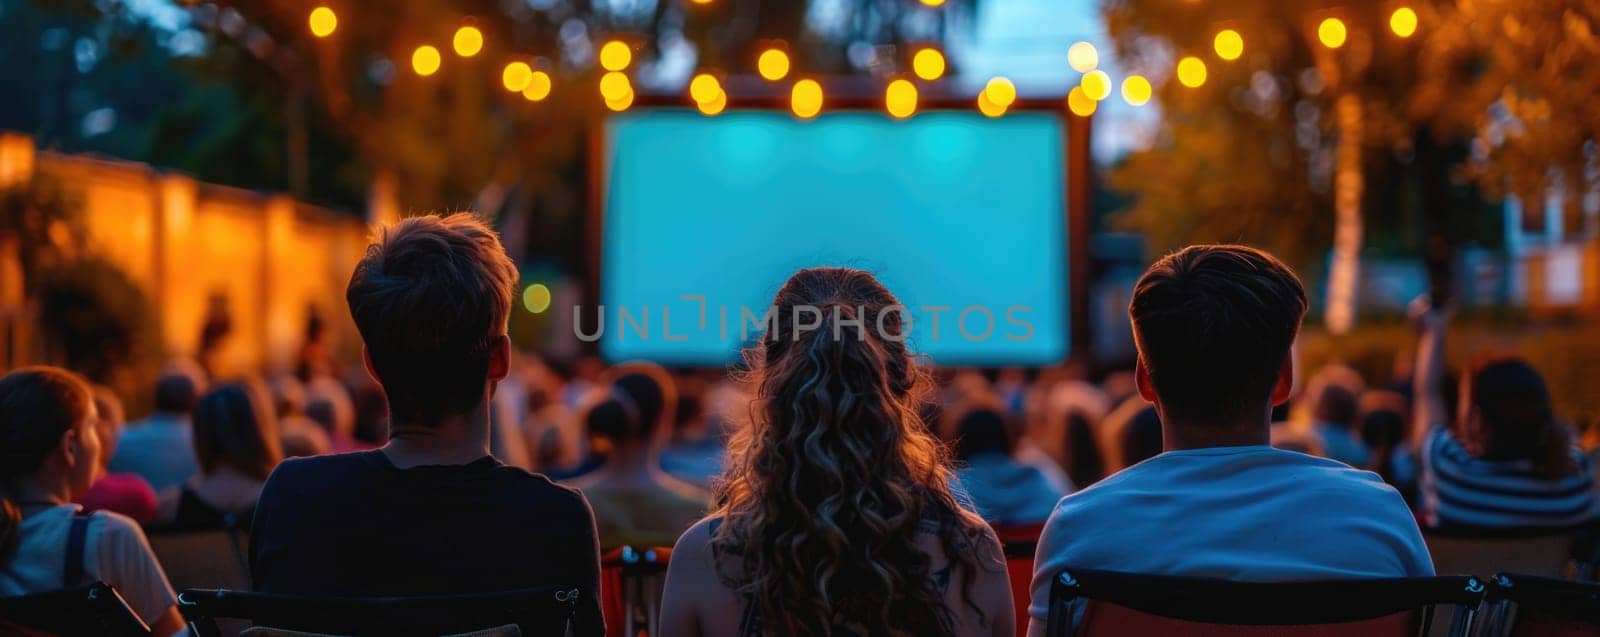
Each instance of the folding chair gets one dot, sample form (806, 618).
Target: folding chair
(203, 559)
(1020, 543)
(1544, 552)
(1103, 604)
(537, 611)
(1526, 605)
(630, 588)
(96, 609)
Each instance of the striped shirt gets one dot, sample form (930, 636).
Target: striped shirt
(1462, 490)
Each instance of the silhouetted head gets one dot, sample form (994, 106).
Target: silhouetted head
(983, 430)
(646, 392)
(836, 474)
(1214, 325)
(431, 299)
(1507, 415)
(178, 386)
(235, 428)
(48, 433)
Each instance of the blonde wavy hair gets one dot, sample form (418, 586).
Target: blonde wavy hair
(829, 486)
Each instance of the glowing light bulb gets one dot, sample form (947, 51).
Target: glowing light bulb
(1000, 91)
(516, 76)
(773, 64)
(1083, 57)
(468, 41)
(805, 99)
(1332, 33)
(1079, 103)
(323, 22)
(425, 60)
(928, 64)
(1228, 44)
(539, 86)
(615, 55)
(1403, 22)
(1191, 72)
(1096, 85)
(900, 98)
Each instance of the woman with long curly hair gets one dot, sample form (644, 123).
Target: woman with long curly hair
(835, 515)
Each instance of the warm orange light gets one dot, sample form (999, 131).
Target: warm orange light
(516, 76)
(615, 56)
(704, 88)
(1083, 57)
(933, 3)
(1000, 91)
(773, 64)
(1332, 33)
(714, 105)
(536, 298)
(425, 60)
(1135, 90)
(468, 41)
(900, 98)
(1191, 72)
(1228, 44)
(614, 86)
(989, 108)
(1403, 22)
(805, 99)
(928, 64)
(622, 102)
(1080, 104)
(1096, 85)
(323, 22)
(539, 86)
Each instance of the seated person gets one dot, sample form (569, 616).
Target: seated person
(298, 434)
(1004, 491)
(1385, 430)
(1213, 325)
(1131, 433)
(49, 455)
(328, 405)
(430, 512)
(835, 515)
(1335, 393)
(160, 448)
(236, 440)
(124, 493)
(1511, 464)
(635, 502)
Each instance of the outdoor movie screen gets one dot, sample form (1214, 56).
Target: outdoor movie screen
(961, 216)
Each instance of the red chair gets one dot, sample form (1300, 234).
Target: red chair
(1525, 605)
(1020, 542)
(1107, 604)
(630, 590)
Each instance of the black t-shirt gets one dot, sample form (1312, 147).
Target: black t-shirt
(355, 525)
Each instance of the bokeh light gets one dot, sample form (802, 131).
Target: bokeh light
(714, 105)
(1083, 57)
(1079, 103)
(615, 55)
(425, 60)
(1000, 91)
(614, 86)
(988, 108)
(468, 41)
(704, 88)
(1096, 85)
(1403, 22)
(933, 3)
(805, 99)
(1228, 44)
(536, 298)
(323, 22)
(928, 64)
(516, 76)
(621, 103)
(539, 86)
(1332, 33)
(773, 64)
(1135, 90)
(1191, 72)
(900, 98)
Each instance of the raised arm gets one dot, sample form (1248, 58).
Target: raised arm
(1428, 407)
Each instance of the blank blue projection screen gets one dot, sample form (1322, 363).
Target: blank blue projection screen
(950, 210)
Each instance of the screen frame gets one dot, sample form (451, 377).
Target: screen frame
(1075, 190)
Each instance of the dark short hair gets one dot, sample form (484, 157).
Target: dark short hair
(982, 430)
(176, 392)
(1214, 324)
(431, 298)
(646, 392)
(235, 427)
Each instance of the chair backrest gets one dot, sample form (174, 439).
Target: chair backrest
(631, 582)
(96, 609)
(1545, 553)
(1103, 603)
(539, 611)
(1020, 543)
(203, 559)
(1518, 605)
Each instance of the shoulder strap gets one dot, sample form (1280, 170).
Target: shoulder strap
(77, 538)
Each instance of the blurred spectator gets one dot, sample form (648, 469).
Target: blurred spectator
(634, 501)
(124, 493)
(698, 445)
(160, 448)
(50, 443)
(328, 405)
(236, 440)
(1132, 434)
(1384, 431)
(371, 408)
(1004, 491)
(1509, 464)
(298, 435)
(552, 435)
(1335, 392)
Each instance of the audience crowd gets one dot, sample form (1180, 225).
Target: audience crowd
(831, 483)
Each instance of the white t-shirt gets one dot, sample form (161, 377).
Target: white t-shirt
(1251, 513)
(114, 552)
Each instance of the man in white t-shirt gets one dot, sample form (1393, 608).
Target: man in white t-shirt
(1213, 325)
